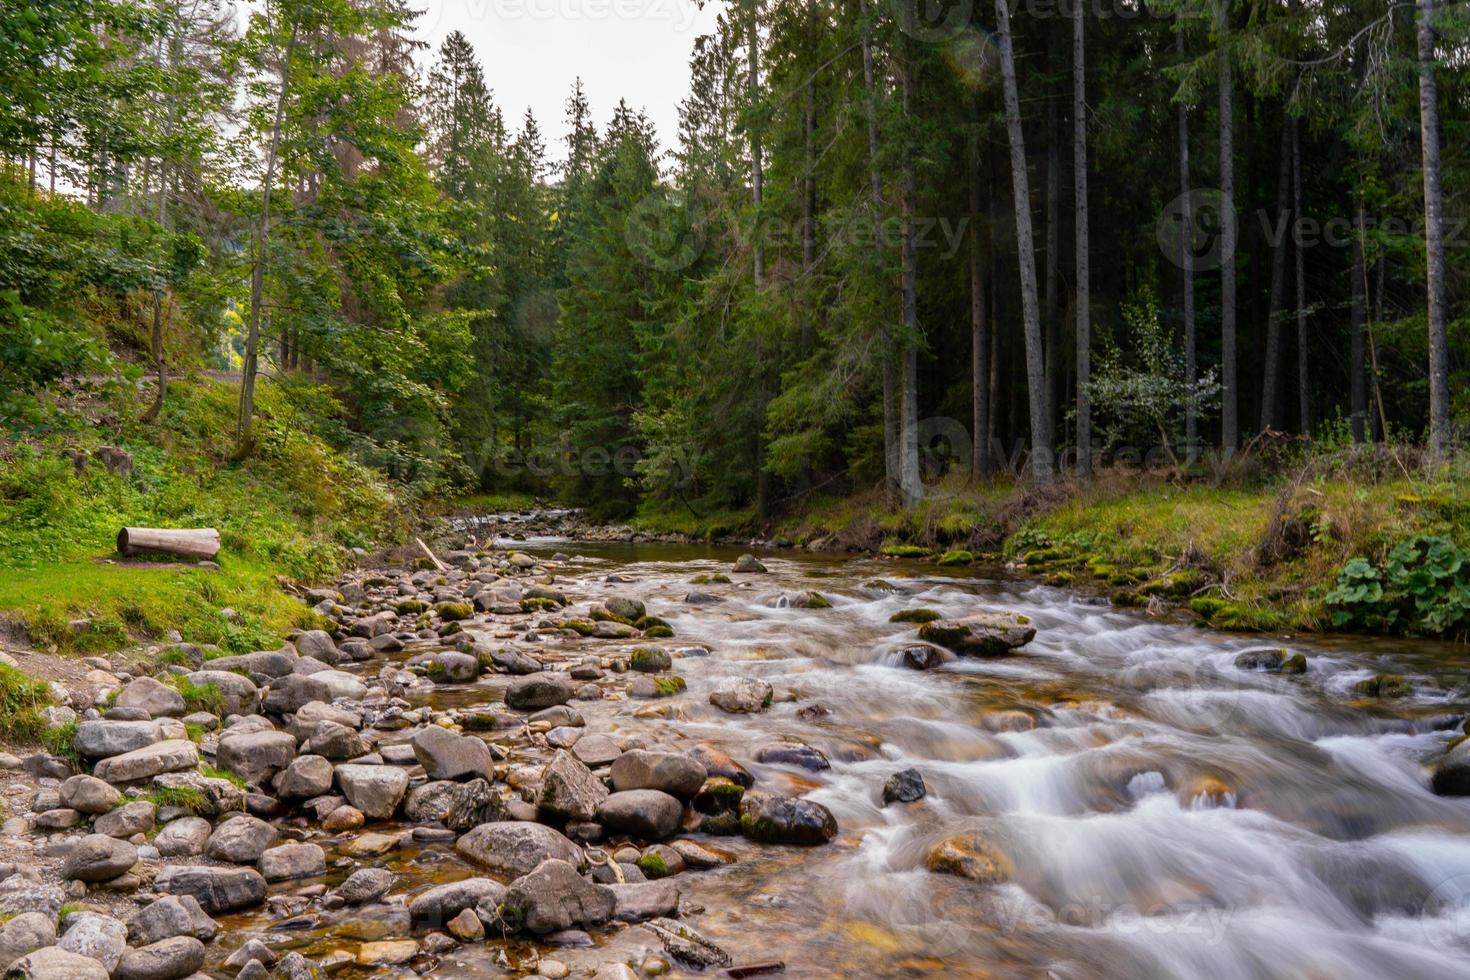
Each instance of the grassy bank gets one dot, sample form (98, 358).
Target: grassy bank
(1259, 551)
(291, 513)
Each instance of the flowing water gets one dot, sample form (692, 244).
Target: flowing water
(1160, 812)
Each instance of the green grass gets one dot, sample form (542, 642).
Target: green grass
(59, 739)
(183, 797)
(205, 769)
(21, 702)
(200, 697)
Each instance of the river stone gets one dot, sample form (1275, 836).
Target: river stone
(365, 885)
(625, 606)
(536, 691)
(184, 837)
(101, 739)
(748, 564)
(156, 698)
(54, 963)
(167, 959)
(434, 908)
(169, 916)
(650, 660)
(173, 755)
(216, 889)
(568, 788)
(445, 755)
(637, 901)
(290, 861)
(609, 630)
(514, 662)
(773, 819)
(923, 656)
(288, 694)
(101, 937)
(553, 897)
(318, 644)
(255, 756)
(137, 817)
(271, 663)
(375, 790)
(387, 952)
(59, 818)
(430, 802)
(217, 794)
(239, 693)
(984, 634)
(516, 848)
(341, 685)
(454, 668)
(792, 753)
(717, 763)
(88, 794)
(336, 741)
(241, 840)
(24, 934)
(904, 786)
(1452, 774)
(98, 857)
(645, 813)
(741, 695)
(596, 750)
(304, 722)
(967, 856)
(305, 777)
(672, 772)
(19, 894)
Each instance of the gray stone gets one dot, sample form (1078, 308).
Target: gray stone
(305, 777)
(375, 790)
(430, 802)
(167, 959)
(88, 794)
(637, 901)
(454, 668)
(137, 817)
(672, 772)
(645, 813)
(184, 837)
(904, 786)
(304, 722)
(98, 857)
(596, 750)
(434, 908)
(516, 848)
(100, 739)
(568, 789)
(773, 819)
(445, 755)
(365, 885)
(553, 897)
(318, 644)
(514, 662)
(19, 894)
(172, 915)
(24, 934)
(154, 697)
(173, 755)
(54, 963)
(748, 564)
(536, 691)
(239, 693)
(288, 694)
(255, 756)
(741, 695)
(289, 861)
(241, 840)
(336, 741)
(983, 634)
(216, 889)
(101, 937)
(271, 663)
(216, 794)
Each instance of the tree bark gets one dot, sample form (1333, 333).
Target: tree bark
(1229, 386)
(757, 166)
(1186, 266)
(1303, 362)
(979, 341)
(911, 486)
(1084, 258)
(188, 542)
(890, 406)
(1358, 381)
(1439, 367)
(1272, 368)
(245, 437)
(1041, 450)
(1051, 322)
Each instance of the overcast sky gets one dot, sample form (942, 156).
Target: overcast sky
(532, 50)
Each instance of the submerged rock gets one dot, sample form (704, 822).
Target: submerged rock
(774, 819)
(742, 695)
(968, 856)
(904, 786)
(984, 634)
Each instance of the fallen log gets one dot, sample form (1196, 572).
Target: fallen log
(193, 542)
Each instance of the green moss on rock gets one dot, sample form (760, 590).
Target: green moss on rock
(914, 616)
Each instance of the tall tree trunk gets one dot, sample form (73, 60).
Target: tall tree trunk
(245, 439)
(757, 166)
(911, 485)
(979, 341)
(1439, 352)
(1186, 266)
(1084, 258)
(1229, 386)
(1041, 451)
(809, 215)
(1052, 324)
(1272, 368)
(1303, 362)
(875, 179)
(1358, 380)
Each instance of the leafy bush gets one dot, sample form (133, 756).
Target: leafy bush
(1422, 588)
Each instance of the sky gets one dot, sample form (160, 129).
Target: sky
(532, 51)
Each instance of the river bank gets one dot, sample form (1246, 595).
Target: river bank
(777, 776)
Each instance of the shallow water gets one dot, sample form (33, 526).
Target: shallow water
(1161, 812)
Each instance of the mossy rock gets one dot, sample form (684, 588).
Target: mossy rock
(667, 687)
(653, 866)
(410, 607)
(1207, 606)
(720, 579)
(538, 604)
(648, 622)
(450, 628)
(434, 668)
(1175, 585)
(903, 551)
(726, 824)
(1126, 597)
(959, 557)
(1294, 664)
(915, 616)
(1043, 556)
(649, 660)
(377, 582)
(699, 580)
(421, 564)
(1060, 579)
(1384, 686)
(478, 721)
(450, 611)
(1127, 576)
(601, 615)
(659, 632)
(582, 626)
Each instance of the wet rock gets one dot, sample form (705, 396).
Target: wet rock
(742, 695)
(54, 963)
(88, 794)
(474, 803)
(638, 901)
(375, 790)
(343, 818)
(717, 763)
(98, 857)
(644, 813)
(434, 908)
(255, 756)
(241, 840)
(536, 691)
(559, 715)
(454, 668)
(137, 817)
(697, 598)
(429, 802)
(674, 773)
(184, 837)
(596, 750)
(101, 739)
(514, 662)
(686, 945)
(773, 819)
(388, 952)
(172, 915)
(252, 950)
(156, 698)
(984, 634)
(365, 885)
(333, 740)
(216, 889)
(553, 897)
(1384, 686)
(748, 564)
(967, 856)
(24, 934)
(100, 937)
(167, 959)
(1452, 774)
(793, 753)
(922, 656)
(698, 856)
(291, 861)
(306, 776)
(445, 755)
(514, 848)
(650, 660)
(904, 786)
(173, 755)
(568, 789)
